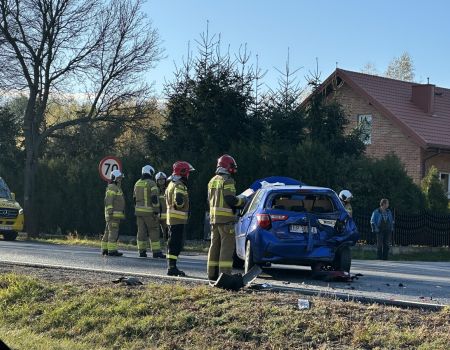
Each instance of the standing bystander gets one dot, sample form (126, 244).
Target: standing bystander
(382, 223)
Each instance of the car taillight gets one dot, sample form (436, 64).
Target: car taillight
(265, 220)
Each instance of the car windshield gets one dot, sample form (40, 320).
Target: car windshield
(313, 202)
(4, 190)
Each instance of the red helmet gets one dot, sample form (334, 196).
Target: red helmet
(182, 168)
(227, 162)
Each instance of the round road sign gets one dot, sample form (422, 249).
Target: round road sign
(108, 164)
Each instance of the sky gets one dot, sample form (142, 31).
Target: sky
(348, 33)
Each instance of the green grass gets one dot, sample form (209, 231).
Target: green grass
(198, 246)
(35, 314)
(413, 256)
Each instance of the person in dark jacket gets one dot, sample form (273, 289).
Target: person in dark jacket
(382, 223)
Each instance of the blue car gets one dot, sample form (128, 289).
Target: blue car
(287, 222)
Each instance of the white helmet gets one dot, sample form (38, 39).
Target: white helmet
(345, 195)
(115, 174)
(160, 175)
(148, 169)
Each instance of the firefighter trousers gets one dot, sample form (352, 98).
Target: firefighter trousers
(109, 239)
(220, 256)
(174, 244)
(148, 233)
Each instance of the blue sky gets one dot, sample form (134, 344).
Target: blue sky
(349, 32)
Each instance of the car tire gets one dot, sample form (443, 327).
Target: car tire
(343, 259)
(238, 263)
(248, 263)
(10, 236)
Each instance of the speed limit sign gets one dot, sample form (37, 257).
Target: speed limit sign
(107, 165)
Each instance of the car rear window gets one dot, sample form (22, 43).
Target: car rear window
(316, 203)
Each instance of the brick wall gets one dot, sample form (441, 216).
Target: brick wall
(386, 137)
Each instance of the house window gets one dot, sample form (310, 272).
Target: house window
(365, 123)
(445, 180)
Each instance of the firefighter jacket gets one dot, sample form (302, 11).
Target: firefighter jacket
(177, 202)
(114, 202)
(222, 199)
(146, 196)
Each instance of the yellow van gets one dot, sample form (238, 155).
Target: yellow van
(11, 213)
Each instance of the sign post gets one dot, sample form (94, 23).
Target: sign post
(107, 165)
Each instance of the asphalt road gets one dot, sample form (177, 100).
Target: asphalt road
(427, 282)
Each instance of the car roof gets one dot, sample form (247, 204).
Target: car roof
(297, 187)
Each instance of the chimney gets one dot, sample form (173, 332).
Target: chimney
(423, 97)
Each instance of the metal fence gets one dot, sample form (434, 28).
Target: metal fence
(422, 229)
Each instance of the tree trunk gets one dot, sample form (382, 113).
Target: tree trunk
(31, 132)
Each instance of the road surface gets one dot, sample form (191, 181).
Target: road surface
(410, 281)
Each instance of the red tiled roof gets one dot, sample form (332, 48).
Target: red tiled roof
(393, 98)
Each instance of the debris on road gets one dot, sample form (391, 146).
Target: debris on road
(303, 304)
(129, 281)
(237, 281)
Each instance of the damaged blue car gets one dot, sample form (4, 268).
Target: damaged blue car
(287, 222)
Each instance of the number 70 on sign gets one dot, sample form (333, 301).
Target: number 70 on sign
(107, 165)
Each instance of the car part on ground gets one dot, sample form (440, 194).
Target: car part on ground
(237, 281)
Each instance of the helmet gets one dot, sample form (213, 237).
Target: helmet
(182, 168)
(115, 174)
(160, 175)
(228, 163)
(148, 169)
(345, 195)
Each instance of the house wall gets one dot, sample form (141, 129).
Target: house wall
(386, 137)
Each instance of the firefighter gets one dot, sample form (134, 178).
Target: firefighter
(222, 204)
(346, 196)
(177, 202)
(161, 182)
(114, 212)
(146, 199)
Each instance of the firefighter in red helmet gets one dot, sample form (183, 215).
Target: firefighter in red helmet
(177, 202)
(222, 204)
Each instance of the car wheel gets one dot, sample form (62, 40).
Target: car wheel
(10, 236)
(249, 263)
(343, 259)
(238, 263)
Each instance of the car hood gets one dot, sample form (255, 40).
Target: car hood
(9, 203)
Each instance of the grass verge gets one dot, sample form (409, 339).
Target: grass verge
(35, 314)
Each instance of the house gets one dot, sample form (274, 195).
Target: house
(408, 119)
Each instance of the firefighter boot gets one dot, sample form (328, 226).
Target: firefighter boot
(159, 255)
(142, 254)
(173, 270)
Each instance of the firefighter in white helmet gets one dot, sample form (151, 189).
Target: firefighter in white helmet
(114, 212)
(161, 182)
(146, 199)
(346, 196)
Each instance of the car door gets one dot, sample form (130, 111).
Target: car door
(243, 223)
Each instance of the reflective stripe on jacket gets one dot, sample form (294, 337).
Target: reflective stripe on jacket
(219, 187)
(177, 213)
(144, 190)
(114, 202)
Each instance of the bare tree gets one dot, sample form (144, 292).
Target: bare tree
(401, 68)
(370, 68)
(95, 49)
